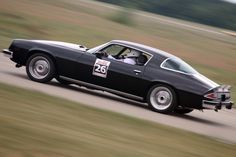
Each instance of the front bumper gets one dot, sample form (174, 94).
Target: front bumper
(7, 53)
(217, 105)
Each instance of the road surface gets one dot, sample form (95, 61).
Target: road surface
(218, 125)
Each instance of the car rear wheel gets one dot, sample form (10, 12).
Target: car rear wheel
(161, 98)
(40, 68)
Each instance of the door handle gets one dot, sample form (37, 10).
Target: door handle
(137, 72)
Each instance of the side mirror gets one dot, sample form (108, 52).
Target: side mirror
(100, 54)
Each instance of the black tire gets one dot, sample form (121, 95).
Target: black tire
(40, 68)
(182, 110)
(162, 99)
(64, 82)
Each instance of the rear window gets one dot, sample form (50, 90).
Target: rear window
(178, 65)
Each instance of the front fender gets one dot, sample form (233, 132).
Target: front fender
(37, 49)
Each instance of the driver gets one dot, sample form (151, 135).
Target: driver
(130, 58)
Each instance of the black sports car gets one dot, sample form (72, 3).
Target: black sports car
(128, 69)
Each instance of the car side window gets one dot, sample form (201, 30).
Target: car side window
(113, 49)
(126, 55)
(178, 65)
(170, 64)
(126, 51)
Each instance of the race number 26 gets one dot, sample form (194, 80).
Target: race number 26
(101, 67)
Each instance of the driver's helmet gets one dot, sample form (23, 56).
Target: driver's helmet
(133, 54)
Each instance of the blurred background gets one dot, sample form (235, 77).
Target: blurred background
(202, 32)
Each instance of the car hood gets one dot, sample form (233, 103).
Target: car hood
(62, 44)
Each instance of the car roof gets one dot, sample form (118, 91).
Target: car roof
(145, 48)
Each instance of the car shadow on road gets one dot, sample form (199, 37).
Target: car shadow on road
(197, 119)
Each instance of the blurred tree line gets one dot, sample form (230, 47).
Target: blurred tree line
(211, 12)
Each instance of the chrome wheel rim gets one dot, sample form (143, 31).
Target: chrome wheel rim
(39, 67)
(161, 98)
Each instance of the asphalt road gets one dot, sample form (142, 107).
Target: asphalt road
(218, 125)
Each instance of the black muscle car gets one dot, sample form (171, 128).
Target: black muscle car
(127, 69)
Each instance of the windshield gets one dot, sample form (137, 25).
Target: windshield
(179, 65)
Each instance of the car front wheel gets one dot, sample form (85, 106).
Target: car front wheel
(40, 68)
(161, 98)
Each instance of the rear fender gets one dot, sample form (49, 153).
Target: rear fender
(163, 83)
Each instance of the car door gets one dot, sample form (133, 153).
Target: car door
(125, 77)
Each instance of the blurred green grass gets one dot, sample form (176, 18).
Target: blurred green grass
(89, 24)
(35, 124)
